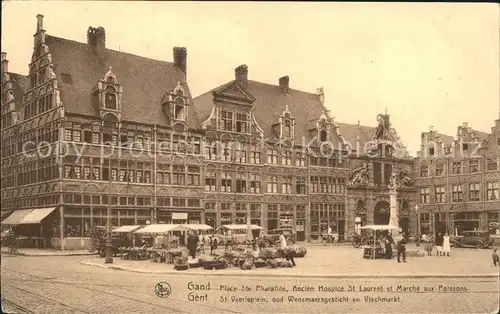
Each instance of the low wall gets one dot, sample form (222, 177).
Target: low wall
(71, 243)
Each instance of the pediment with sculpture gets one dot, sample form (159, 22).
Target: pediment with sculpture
(360, 176)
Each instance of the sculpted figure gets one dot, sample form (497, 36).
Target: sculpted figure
(360, 175)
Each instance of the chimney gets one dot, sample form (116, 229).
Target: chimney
(180, 59)
(5, 63)
(241, 75)
(96, 37)
(39, 23)
(285, 83)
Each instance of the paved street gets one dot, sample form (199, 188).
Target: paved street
(62, 285)
(335, 260)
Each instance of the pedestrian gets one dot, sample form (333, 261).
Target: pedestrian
(262, 241)
(201, 240)
(429, 244)
(192, 245)
(401, 244)
(495, 257)
(288, 254)
(439, 244)
(389, 241)
(282, 240)
(446, 245)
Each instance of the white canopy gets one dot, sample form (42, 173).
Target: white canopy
(380, 227)
(241, 227)
(197, 226)
(126, 229)
(36, 216)
(162, 228)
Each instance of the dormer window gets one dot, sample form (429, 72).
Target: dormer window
(111, 98)
(323, 136)
(287, 129)
(179, 109)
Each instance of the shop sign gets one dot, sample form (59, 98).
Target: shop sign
(299, 228)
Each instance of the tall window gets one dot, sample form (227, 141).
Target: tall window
(473, 165)
(323, 136)
(110, 98)
(210, 181)
(226, 151)
(456, 168)
(272, 184)
(241, 153)
(193, 175)
(272, 156)
(287, 129)
(424, 195)
(377, 173)
(255, 154)
(300, 185)
(210, 150)
(474, 191)
(225, 182)
(492, 191)
(491, 164)
(424, 170)
(439, 169)
(286, 185)
(440, 194)
(255, 180)
(178, 175)
(457, 193)
(286, 159)
(227, 120)
(241, 183)
(242, 122)
(300, 160)
(179, 111)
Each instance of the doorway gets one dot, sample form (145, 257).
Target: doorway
(381, 213)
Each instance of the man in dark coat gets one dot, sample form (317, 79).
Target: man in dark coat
(401, 248)
(192, 245)
(439, 243)
(389, 241)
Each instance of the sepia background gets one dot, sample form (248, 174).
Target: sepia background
(429, 64)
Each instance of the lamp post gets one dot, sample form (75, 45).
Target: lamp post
(109, 254)
(418, 219)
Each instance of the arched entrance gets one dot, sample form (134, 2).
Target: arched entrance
(381, 213)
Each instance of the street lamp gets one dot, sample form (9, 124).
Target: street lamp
(109, 253)
(418, 219)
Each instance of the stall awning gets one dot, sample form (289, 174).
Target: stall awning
(157, 228)
(16, 217)
(198, 226)
(126, 229)
(380, 227)
(36, 216)
(241, 227)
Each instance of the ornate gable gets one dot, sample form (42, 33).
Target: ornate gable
(235, 93)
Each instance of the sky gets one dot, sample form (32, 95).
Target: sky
(429, 64)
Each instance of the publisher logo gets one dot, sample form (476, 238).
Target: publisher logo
(163, 289)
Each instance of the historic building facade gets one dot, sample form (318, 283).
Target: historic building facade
(90, 129)
(304, 170)
(98, 129)
(458, 180)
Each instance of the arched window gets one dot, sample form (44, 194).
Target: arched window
(110, 98)
(323, 136)
(179, 109)
(287, 130)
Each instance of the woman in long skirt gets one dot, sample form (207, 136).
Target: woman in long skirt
(446, 245)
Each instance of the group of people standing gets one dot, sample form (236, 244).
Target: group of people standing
(441, 242)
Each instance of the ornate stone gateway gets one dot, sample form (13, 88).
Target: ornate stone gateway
(381, 213)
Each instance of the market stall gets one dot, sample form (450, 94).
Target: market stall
(374, 249)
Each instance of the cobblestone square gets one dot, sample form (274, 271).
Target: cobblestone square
(62, 284)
